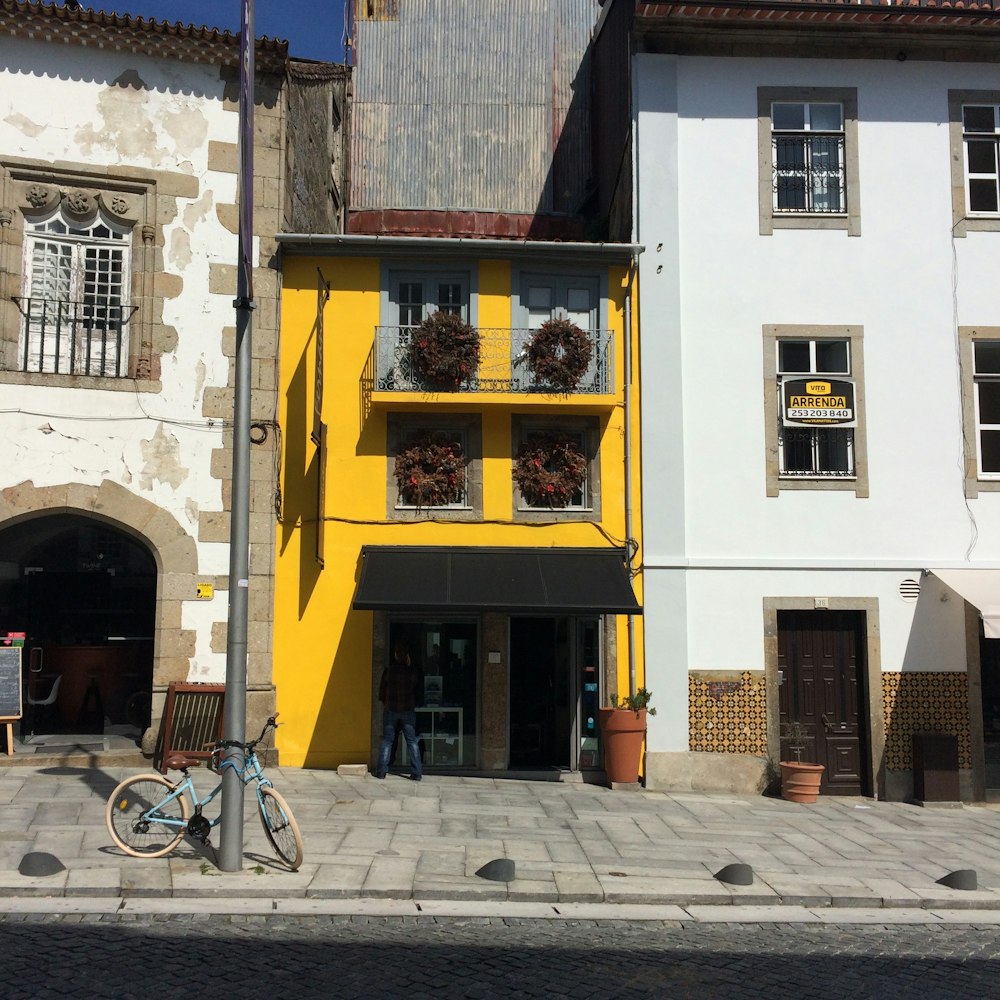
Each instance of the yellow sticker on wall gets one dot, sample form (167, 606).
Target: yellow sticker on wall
(205, 591)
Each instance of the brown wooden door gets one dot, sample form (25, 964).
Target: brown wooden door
(820, 656)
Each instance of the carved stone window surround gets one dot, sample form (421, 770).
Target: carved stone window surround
(30, 191)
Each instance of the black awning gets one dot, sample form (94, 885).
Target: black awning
(516, 581)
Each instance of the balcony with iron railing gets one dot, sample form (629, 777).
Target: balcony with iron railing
(503, 366)
(74, 338)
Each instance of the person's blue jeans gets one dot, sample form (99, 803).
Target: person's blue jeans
(407, 721)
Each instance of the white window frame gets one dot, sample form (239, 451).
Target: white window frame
(810, 171)
(431, 303)
(979, 379)
(994, 176)
(816, 434)
(964, 220)
(75, 297)
(976, 480)
(773, 218)
(778, 481)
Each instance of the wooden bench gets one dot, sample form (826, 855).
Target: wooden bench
(192, 718)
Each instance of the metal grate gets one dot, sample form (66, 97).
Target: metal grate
(74, 338)
(909, 590)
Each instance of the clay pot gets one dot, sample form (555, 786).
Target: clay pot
(623, 732)
(800, 781)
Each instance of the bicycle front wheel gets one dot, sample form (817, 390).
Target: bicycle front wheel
(280, 826)
(141, 816)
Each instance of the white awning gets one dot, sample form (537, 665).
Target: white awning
(981, 588)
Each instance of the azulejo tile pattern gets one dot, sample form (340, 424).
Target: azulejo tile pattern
(924, 702)
(728, 716)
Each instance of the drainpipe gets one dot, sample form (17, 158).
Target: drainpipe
(631, 547)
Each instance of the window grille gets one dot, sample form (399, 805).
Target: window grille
(814, 451)
(807, 141)
(75, 310)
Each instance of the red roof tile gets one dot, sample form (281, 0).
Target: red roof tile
(909, 12)
(82, 26)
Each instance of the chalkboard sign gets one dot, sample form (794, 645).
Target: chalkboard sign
(10, 682)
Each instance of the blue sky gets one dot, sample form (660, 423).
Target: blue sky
(314, 28)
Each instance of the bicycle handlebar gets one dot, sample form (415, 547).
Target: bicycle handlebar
(251, 745)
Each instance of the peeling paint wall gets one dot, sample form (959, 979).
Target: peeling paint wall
(161, 135)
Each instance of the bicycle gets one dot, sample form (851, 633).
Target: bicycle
(148, 815)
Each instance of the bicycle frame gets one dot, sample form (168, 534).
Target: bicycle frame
(148, 815)
(251, 770)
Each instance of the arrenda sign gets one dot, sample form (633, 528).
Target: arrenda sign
(806, 402)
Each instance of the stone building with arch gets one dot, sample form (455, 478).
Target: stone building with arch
(118, 243)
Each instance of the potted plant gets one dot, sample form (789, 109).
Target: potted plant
(623, 730)
(800, 780)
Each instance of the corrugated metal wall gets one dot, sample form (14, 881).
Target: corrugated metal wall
(474, 104)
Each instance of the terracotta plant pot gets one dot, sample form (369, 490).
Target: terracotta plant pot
(800, 781)
(623, 731)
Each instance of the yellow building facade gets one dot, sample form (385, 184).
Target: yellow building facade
(523, 614)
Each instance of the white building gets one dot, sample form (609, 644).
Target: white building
(118, 218)
(817, 191)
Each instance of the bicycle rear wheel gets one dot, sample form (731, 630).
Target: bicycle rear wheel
(280, 826)
(135, 812)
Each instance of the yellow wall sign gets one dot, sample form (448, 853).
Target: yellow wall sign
(205, 591)
(809, 401)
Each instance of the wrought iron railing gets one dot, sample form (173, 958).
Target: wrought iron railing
(74, 338)
(809, 173)
(503, 364)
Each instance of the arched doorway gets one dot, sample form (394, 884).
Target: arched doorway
(84, 592)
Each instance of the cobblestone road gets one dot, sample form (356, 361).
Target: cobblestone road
(352, 957)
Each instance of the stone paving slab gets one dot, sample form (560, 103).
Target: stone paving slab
(573, 845)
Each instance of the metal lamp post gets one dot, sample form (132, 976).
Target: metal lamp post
(234, 719)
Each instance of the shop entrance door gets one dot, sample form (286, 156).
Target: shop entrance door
(447, 654)
(84, 592)
(554, 676)
(821, 664)
(989, 660)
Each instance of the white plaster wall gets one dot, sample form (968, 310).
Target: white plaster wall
(896, 280)
(927, 634)
(61, 103)
(709, 282)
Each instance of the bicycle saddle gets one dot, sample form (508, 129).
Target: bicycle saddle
(178, 762)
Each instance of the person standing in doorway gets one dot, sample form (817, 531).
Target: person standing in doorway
(400, 690)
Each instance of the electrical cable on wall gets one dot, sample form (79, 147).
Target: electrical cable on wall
(968, 447)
